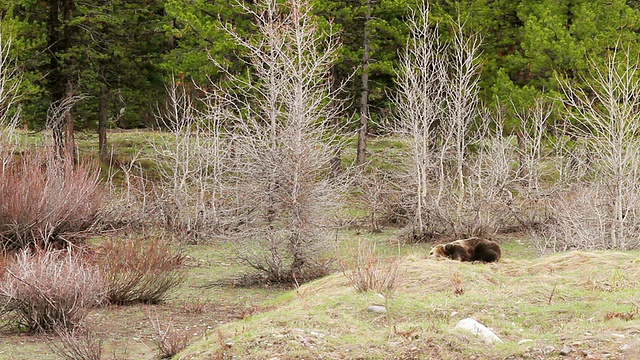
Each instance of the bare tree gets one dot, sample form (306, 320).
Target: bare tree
(437, 103)
(461, 107)
(283, 144)
(190, 164)
(9, 112)
(419, 105)
(58, 121)
(607, 115)
(533, 124)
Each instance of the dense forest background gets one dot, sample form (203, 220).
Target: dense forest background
(120, 54)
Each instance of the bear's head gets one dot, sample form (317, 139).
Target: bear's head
(454, 251)
(438, 251)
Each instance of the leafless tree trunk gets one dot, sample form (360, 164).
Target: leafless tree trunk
(59, 121)
(364, 95)
(103, 114)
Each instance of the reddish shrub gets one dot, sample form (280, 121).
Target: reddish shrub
(141, 270)
(46, 202)
(49, 289)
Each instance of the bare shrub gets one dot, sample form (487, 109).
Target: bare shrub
(138, 270)
(44, 201)
(281, 182)
(366, 270)
(168, 340)
(75, 344)
(378, 195)
(458, 284)
(48, 289)
(130, 203)
(582, 220)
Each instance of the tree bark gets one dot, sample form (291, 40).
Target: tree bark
(55, 82)
(102, 124)
(70, 145)
(59, 85)
(364, 96)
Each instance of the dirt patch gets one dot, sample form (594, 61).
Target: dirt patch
(128, 332)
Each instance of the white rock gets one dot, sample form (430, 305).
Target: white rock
(378, 309)
(478, 329)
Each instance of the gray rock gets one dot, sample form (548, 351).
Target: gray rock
(478, 329)
(565, 350)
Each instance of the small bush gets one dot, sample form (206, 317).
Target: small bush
(44, 201)
(51, 289)
(75, 344)
(139, 270)
(168, 340)
(368, 271)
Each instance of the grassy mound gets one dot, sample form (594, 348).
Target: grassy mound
(584, 302)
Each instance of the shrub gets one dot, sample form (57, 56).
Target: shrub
(46, 202)
(44, 290)
(76, 344)
(367, 271)
(168, 340)
(139, 270)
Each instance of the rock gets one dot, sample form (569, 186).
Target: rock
(478, 329)
(565, 350)
(585, 354)
(378, 309)
(525, 341)
(624, 347)
(548, 350)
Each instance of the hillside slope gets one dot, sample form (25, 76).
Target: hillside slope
(583, 304)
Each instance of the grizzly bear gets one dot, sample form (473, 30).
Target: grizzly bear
(472, 249)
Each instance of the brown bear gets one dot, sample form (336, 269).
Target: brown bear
(472, 249)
